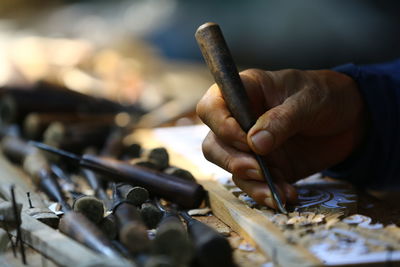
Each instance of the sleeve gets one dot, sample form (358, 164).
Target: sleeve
(376, 164)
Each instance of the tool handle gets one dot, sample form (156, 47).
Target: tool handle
(220, 62)
(211, 248)
(187, 194)
(79, 228)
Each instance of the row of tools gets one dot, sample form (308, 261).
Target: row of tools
(137, 205)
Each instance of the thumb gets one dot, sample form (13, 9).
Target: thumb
(276, 125)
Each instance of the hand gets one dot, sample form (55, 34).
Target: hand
(307, 121)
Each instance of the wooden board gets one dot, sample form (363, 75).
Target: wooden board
(242, 219)
(286, 245)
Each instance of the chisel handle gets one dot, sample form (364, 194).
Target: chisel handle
(220, 62)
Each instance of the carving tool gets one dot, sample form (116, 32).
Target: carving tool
(73, 224)
(17, 216)
(220, 62)
(184, 193)
(95, 183)
(131, 230)
(211, 248)
(135, 194)
(151, 215)
(91, 207)
(172, 239)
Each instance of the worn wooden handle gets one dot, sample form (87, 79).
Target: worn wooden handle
(220, 62)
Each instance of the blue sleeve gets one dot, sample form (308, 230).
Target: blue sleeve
(376, 164)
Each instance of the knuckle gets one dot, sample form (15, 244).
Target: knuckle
(233, 166)
(227, 164)
(279, 115)
(225, 129)
(201, 108)
(206, 147)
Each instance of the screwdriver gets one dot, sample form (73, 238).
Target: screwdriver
(220, 62)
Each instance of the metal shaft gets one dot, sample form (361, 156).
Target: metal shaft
(220, 62)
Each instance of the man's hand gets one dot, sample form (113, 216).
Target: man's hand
(307, 121)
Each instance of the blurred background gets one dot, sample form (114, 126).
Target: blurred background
(143, 52)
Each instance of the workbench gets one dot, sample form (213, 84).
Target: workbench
(256, 240)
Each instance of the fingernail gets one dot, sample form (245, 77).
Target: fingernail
(263, 141)
(253, 174)
(241, 146)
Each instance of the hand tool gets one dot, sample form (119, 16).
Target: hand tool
(17, 102)
(220, 62)
(211, 248)
(158, 156)
(76, 137)
(187, 194)
(36, 165)
(90, 206)
(135, 194)
(72, 223)
(17, 216)
(95, 183)
(179, 172)
(131, 230)
(108, 225)
(151, 215)
(172, 239)
(35, 123)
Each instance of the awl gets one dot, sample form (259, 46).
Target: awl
(220, 62)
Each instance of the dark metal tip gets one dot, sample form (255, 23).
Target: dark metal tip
(55, 150)
(281, 208)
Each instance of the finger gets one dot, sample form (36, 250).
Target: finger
(259, 191)
(277, 125)
(230, 159)
(243, 165)
(280, 179)
(289, 192)
(213, 111)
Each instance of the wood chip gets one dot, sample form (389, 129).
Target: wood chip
(199, 212)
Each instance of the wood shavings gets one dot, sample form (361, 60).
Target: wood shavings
(246, 247)
(248, 200)
(199, 212)
(236, 191)
(318, 218)
(332, 219)
(295, 220)
(317, 224)
(362, 221)
(235, 241)
(279, 219)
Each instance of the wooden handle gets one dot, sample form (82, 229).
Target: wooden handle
(220, 62)
(186, 194)
(79, 228)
